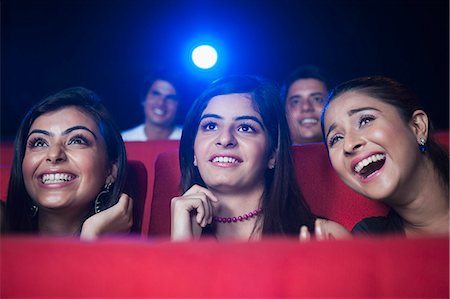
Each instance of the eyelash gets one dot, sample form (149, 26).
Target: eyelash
(334, 139)
(364, 118)
(79, 137)
(32, 143)
(206, 127)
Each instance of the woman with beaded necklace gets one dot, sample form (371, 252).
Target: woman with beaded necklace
(237, 171)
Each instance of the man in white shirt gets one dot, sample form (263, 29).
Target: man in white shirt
(161, 100)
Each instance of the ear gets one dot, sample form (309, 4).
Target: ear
(112, 175)
(195, 160)
(419, 124)
(272, 161)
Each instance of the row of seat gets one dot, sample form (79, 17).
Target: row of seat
(154, 178)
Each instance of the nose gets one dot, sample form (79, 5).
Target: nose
(352, 143)
(306, 105)
(56, 154)
(226, 139)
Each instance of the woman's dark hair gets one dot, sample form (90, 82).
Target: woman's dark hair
(19, 204)
(404, 100)
(284, 207)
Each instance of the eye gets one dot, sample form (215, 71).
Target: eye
(209, 126)
(79, 139)
(37, 142)
(294, 101)
(335, 138)
(318, 99)
(365, 119)
(246, 128)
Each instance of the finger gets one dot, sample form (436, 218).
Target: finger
(200, 213)
(304, 234)
(319, 230)
(199, 189)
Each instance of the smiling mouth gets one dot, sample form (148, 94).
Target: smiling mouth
(309, 121)
(225, 160)
(54, 178)
(158, 111)
(370, 165)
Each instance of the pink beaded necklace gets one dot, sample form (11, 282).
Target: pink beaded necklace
(238, 218)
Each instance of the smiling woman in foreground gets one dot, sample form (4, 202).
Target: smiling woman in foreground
(68, 170)
(380, 144)
(237, 170)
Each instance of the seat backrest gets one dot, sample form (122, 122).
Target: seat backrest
(325, 192)
(6, 153)
(442, 137)
(136, 187)
(166, 186)
(146, 152)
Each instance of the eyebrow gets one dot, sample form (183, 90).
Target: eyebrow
(318, 93)
(350, 113)
(67, 131)
(242, 117)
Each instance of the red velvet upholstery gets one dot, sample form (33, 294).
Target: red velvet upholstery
(136, 187)
(442, 137)
(6, 153)
(146, 152)
(272, 268)
(325, 192)
(167, 185)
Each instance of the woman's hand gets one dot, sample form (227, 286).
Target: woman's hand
(324, 230)
(191, 212)
(116, 219)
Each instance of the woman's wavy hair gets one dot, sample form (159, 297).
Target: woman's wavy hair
(19, 214)
(404, 100)
(284, 207)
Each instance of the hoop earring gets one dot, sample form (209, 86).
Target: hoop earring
(422, 145)
(98, 200)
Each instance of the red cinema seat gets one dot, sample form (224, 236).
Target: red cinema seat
(167, 185)
(442, 137)
(6, 153)
(146, 152)
(324, 191)
(136, 187)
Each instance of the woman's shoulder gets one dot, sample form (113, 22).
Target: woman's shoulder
(391, 223)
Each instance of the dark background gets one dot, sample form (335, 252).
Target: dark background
(109, 46)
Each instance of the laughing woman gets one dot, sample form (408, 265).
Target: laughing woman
(68, 170)
(237, 170)
(380, 143)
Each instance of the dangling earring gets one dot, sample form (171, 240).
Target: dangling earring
(422, 145)
(34, 209)
(195, 161)
(98, 199)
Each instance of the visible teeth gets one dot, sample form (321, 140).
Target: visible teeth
(369, 160)
(309, 121)
(158, 111)
(53, 178)
(225, 160)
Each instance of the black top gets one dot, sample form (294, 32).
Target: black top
(390, 224)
